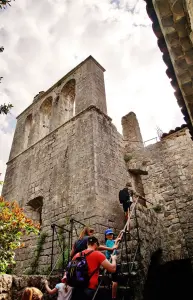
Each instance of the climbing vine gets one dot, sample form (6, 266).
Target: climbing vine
(39, 248)
(64, 257)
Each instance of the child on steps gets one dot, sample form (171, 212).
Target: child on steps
(110, 242)
(64, 291)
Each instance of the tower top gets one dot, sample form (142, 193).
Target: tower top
(42, 94)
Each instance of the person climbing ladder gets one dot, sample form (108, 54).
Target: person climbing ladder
(125, 198)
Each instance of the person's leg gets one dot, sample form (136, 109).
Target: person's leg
(88, 293)
(114, 290)
(126, 209)
(128, 218)
(114, 284)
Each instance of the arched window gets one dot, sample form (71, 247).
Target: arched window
(45, 116)
(66, 103)
(35, 209)
(27, 130)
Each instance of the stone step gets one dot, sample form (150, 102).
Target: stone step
(105, 293)
(124, 267)
(130, 257)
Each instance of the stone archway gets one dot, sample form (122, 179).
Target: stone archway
(27, 131)
(45, 117)
(65, 103)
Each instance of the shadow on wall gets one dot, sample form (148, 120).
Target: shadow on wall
(170, 281)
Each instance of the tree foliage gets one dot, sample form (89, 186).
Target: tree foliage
(13, 225)
(5, 108)
(4, 3)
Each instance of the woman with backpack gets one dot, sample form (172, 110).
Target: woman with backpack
(81, 243)
(32, 293)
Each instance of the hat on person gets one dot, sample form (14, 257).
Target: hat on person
(93, 240)
(109, 231)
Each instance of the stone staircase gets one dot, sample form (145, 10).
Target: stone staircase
(128, 271)
(125, 282)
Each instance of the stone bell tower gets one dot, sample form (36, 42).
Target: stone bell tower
(66, 158)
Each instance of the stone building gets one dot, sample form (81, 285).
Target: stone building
(172, 23)
(67, 158)
(163, 172)
(69, 161)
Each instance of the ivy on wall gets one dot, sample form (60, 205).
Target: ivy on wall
(39, 248)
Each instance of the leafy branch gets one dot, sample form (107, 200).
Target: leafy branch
(5, 108)
(4, 3)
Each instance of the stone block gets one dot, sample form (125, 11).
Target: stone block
(5, 283)
(186, 43)
(5, 296)
(177, 8)
(188, 88)
(164, 8)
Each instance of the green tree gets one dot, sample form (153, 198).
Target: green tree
(4, 108)
(13, 225)
(4, 3)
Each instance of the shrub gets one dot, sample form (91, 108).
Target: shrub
(13, 225)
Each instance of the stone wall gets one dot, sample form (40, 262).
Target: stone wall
(172, 24)
(12, 287)
(66, 160)
(151, 234)
(169, 164)
(189, 6)
(77, 170)
(110, 170)
(131, 132)
(5, 287)
(76, 91)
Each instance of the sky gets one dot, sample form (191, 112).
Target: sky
(45, 39)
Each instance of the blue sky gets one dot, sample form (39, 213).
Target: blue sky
(45, 39)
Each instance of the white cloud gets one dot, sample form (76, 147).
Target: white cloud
(44, 39)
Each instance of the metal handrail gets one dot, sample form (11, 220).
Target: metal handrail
(122, 232)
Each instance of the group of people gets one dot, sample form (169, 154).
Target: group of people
(88, 249)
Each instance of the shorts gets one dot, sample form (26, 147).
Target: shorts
(115, 276)
(126, 206)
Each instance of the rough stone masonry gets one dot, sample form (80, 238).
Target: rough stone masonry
(68, 160)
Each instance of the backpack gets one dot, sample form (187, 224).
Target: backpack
(124, 196)
(77, 271)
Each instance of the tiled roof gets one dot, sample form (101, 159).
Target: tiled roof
(185, 89)
(174, 131)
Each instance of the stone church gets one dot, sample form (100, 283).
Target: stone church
(69, 161)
